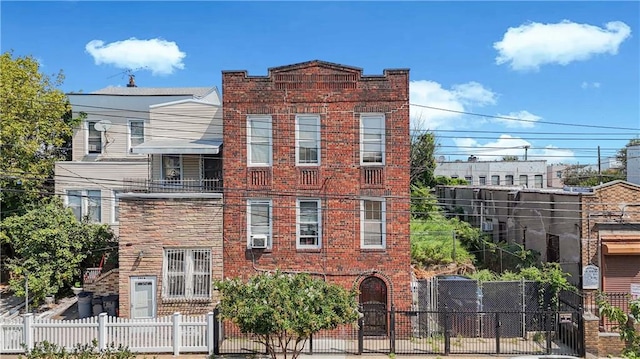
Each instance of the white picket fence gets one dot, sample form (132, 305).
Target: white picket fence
(172, 334)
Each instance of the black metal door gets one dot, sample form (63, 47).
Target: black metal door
(373, 299)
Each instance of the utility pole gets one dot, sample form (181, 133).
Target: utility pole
(599, 167)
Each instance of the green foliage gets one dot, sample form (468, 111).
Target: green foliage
(35, 126)
(423, 146)
(432, 241)
(283, 310)
(578, 175)
(47, 350)
(625, 321)
(423, 202)
(510, 158)
(52, 247)
(448, 181)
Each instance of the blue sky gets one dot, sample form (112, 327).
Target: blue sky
(565, 68)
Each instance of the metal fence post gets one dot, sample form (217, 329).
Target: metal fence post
(447, 334)
(27, 331)
(360, 335)
(177, 336)
(102, 331)
(497, 332)
(216, 331)
(392, 330)
(548, 325)
(210, 333)
(310, 343)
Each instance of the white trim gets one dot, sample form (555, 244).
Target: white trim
(319, 212)
(189, 272)
(383, 220)
(162, 167)
(154, 304)
(189, 100)
(86, 138)
(115, 200)
(144, 135)
(269, 203)
(264, 118)
(84, 201)
(317, 138)
(382, 117)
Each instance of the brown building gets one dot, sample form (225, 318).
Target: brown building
(611, 235)
(316, 176)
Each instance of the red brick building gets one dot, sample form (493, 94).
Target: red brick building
(316, 173)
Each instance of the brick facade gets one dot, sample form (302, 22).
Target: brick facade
(106, 284)
(610, 214)
(151, 223)
(338, 94)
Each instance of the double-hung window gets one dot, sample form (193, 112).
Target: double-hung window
(85, 204)
(94, 138)
(259, 141)
(259, 224)
(372, 223)
(508, 180)
(524, 180)
(307, 139)
(372, 139)
(309, 223)
(136, 133)
(186, 274)
(172, 168)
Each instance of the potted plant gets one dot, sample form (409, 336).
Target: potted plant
(77, 288)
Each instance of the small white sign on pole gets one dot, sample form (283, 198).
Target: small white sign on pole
(590, 277)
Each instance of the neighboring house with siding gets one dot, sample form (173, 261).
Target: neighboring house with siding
(527, 174)
(316, 178)
(103, 156)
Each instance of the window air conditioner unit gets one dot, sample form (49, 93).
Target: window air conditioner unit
(487, 226)
(258, 241)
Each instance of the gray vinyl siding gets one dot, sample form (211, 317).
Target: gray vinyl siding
(186, 121)
(190, 167)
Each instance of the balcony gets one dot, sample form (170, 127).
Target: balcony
(143, 185)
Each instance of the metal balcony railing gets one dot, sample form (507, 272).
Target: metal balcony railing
(143, 185)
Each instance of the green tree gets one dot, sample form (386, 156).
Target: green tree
(423, 163)
(580, 175)
(52, 248)
(626, 323)
(510, 158)
(283, 310)
(35, 126)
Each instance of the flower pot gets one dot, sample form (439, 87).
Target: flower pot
(77, 290)
(49, 300)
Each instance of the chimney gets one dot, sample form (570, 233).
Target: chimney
(132, 81)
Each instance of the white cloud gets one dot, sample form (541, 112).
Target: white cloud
(586, 85)
(159, 56)
(531, 45)
(457, 99)
(528, 119)
(507, 145)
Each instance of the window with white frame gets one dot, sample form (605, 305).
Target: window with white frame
(85, 204)
(259, 141)
(372, 139)
(136, 133)
(172, 168)
(372, 223)
(259, 221)
(309, 223)
(186, 274)
(307, 139)
(94, 138)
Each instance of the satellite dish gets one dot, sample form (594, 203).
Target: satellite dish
(102, 125)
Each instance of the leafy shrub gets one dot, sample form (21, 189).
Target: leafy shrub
(47, 350)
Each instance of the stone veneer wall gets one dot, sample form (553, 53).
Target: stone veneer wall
(106, 284)
(153, 222)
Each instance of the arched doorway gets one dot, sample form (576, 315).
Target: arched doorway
(373, 299)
